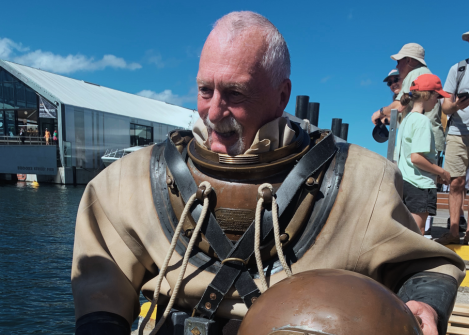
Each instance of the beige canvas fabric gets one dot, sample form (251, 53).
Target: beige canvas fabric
(273, 135)
(119, 243)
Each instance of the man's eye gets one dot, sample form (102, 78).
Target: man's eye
(205, 91)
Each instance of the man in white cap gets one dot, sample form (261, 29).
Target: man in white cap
(457, 145)
(411, 64)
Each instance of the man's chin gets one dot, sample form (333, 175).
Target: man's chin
(231, 149)
(219, 148)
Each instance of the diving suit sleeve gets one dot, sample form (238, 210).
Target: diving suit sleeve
(106, 275)
(435, 289)
(394, 252)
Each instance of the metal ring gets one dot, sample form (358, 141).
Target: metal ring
(234, 259)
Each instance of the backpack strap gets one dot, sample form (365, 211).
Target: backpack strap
(460, 74)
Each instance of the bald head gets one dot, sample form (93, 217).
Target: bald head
(274, 57)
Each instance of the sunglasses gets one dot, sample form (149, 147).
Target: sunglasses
(393, 81)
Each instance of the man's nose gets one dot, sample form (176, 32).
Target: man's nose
(218, 109)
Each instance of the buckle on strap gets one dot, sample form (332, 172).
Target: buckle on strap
(234, 259)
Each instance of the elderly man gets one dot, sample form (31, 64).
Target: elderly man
(411, 64)
(338, 205)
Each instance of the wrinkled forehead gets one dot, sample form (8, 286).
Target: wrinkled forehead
(247, 46)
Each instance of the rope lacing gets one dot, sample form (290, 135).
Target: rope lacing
(164, 268)
(257, 240)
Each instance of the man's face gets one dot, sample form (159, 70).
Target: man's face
(402, 65)
(235, 96)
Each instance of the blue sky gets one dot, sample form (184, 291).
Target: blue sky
(339, 49)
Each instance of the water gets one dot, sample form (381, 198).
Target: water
(37, 225)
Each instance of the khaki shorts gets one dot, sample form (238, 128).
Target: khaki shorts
(457, 155)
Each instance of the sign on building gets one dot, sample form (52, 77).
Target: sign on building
(47, 109)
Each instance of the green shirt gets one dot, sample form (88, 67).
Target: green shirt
(416, 136)
(434, 115)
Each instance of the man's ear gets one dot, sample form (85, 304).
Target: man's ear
(285, 92)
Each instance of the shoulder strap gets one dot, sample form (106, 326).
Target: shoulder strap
(460, 74)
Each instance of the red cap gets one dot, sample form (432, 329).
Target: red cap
(429, 82)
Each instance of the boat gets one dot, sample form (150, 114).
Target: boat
(111, 155)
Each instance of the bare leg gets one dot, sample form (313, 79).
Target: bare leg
(462, 202)
(455, 203)
(420, 219)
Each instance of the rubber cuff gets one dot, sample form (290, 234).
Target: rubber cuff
(102, 323)
(435, 289)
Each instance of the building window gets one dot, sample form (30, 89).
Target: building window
(140, 135)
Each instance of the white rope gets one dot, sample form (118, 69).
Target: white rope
(257, 237)
(208, 189)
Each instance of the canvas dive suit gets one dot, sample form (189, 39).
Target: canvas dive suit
(346, 213)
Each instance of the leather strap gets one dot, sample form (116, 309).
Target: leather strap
(232, 272)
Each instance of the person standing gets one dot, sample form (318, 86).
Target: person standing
(22, 135)
(411, 64)
(416, 155)
(54, 137)
(457, 142)
(47, 136)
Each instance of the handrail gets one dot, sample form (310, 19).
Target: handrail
(25, 140)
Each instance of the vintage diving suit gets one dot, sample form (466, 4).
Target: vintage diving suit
(339, 205)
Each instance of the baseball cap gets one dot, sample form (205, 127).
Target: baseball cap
(412, 50)
(394, 72)
(429, 82)
(465, 36)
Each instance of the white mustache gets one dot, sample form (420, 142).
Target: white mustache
(226, 125)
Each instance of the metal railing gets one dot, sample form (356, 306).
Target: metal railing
(115, 153)
(25, 140)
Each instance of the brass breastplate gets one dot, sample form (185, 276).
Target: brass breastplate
(235, 186)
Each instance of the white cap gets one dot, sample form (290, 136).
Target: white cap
(412, 50)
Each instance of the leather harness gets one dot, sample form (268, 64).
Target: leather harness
(235, 272)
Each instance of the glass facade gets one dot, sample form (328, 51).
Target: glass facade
(140, 135)
(18, 106)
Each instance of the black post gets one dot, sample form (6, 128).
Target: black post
(313, 113)
(336, 127)
(344, 131)
(301, 110)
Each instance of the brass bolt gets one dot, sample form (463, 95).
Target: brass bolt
(310, 181)
(267, 195)
(213, 296)
(188, 232)
(284, 238)
(200, 193)
(253, 299)
(208, 305)
(169, 181)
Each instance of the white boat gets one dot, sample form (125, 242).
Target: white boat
(111, 155)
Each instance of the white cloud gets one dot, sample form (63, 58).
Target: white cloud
(49, 61)
(350, 14)
(366, 82)
(8, 47)
(325, 79)
(169, 96)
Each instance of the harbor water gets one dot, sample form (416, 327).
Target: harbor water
(37, 225)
